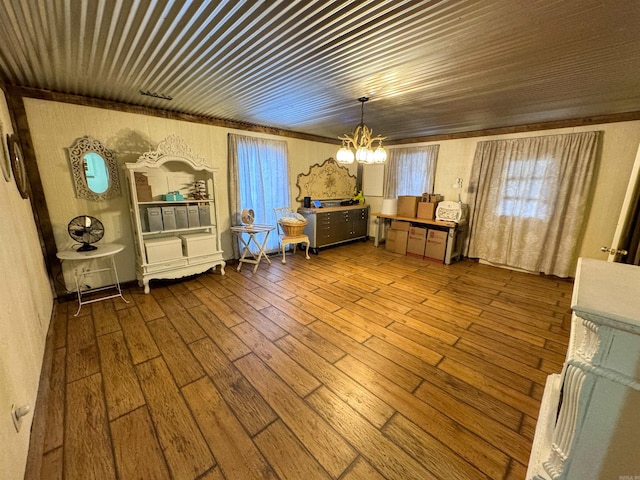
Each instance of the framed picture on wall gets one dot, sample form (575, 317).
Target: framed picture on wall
(4, 155)
(17, 166)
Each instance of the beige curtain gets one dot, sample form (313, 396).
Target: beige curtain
(234, 181)
(528, 200)
(410, 171)
(259, 180)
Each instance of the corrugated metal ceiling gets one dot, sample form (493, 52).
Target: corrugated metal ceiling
(429, 67)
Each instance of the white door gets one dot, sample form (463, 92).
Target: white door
(630, 207)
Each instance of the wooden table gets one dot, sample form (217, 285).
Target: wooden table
(106, 250)
(452, 228)
(252, 231)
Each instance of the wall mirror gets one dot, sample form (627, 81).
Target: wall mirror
(94, 170)
(5, 156)
(17, 166)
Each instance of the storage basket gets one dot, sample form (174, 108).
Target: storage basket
(292, 229)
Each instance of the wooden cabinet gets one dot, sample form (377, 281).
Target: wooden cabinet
(335, 225)
(176, 235)
(588, 425)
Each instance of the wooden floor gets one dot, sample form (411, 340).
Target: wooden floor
(356, 364)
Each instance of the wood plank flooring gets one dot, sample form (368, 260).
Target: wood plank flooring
(356, 364)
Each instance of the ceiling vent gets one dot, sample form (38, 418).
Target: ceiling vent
(161, 96)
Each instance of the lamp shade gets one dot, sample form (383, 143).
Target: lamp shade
(380, 155)
(344, 155)
(361, 154)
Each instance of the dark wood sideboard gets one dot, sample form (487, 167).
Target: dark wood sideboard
(334, 225)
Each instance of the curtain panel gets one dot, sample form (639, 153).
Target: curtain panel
(258, 179)
(528, 200)
(410, 171)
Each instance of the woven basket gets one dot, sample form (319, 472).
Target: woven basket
(292, 229)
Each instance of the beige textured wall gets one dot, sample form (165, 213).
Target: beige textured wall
(619, 146)
(25, 311)
(55, 126)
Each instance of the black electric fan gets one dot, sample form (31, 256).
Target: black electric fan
(86, 230)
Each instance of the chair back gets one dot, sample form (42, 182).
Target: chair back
(280, 213)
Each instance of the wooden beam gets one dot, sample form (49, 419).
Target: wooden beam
(36, 194)
(220, 122)
(156, 112)
(529, 127)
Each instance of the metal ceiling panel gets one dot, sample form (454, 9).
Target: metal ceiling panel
(429, 67)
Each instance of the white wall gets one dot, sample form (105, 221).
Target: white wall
(26, 304)
(619, 147)
(55, 126)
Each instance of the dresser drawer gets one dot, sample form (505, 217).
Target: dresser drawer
(159, 267)
(204, 259)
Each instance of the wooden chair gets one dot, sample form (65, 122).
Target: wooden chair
(286, 239)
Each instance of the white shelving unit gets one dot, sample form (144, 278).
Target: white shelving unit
(164, 251)
(588, 426)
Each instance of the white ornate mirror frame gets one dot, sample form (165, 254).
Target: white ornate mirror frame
(81, 147)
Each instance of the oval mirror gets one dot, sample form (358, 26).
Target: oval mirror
(94, 170)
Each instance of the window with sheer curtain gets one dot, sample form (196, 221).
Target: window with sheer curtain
(410, 171)
(528, 200)
(259, 180)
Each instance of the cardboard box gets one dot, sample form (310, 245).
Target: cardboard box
(143, 192)
(426, 210)
(163, 249)
(436, 245)
(400, 225)
(198, 244)
(396, 241)
(140, 178)
(407, 206)
(397, 236)
(416, 241)
(432, 197)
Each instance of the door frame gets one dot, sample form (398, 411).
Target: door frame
(627, 210)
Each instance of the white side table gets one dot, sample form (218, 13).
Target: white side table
(252, 231)
(104, 250)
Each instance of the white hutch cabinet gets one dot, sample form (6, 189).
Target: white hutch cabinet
(589, 421)
(176, 235)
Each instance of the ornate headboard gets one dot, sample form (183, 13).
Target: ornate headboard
(328, 181)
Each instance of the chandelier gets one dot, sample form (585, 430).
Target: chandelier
(360, 142)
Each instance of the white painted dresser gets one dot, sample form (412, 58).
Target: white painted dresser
(589, 421)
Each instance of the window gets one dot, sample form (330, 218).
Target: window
(410, 171)
(523, 193)
(528, 197)
(260, 180)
